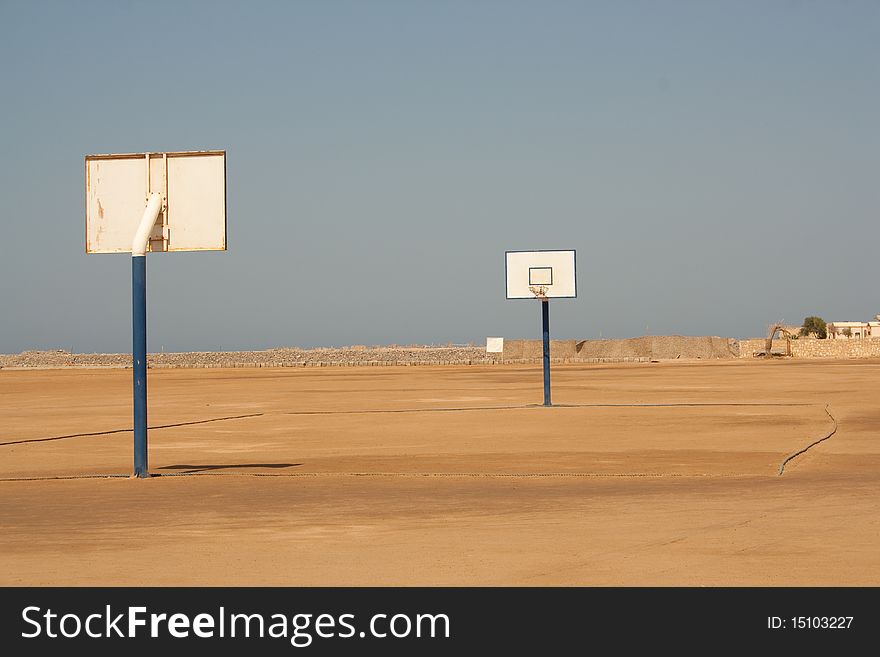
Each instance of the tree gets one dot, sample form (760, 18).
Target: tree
(814, 326)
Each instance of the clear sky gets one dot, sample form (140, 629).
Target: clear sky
(715, 164)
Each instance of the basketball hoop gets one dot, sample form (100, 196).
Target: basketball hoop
(540, 291)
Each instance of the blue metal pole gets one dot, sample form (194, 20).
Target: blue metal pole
(545, 316)
(139, 361)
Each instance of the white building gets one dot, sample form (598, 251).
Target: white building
(854, 330)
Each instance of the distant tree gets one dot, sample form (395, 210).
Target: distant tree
(814, 326)
(847, 331)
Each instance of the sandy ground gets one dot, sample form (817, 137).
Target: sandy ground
(644, 474)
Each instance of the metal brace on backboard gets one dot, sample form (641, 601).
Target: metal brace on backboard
(160, 233)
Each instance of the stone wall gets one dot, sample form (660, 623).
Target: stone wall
(660, 347)
(530, 349)
(754, 346)
(813, 348)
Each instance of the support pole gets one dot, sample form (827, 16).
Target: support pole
(139, 331)
(139, 361)
(545, 317)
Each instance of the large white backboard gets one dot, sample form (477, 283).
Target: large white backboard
(193, 185)
(554, 271)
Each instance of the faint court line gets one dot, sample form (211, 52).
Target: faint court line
(409, 410)
(398, 475)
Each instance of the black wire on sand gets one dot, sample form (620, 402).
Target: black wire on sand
(811, 445)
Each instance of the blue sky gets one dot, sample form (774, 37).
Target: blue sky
(714, 164)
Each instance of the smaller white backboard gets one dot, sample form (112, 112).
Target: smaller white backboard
(541, 274)
(494, 345)
(193, 188)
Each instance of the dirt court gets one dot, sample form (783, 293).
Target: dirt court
(643, 474)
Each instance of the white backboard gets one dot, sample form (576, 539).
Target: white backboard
(193, 185)
(553, 272)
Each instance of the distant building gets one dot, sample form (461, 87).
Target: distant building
(854, 330)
